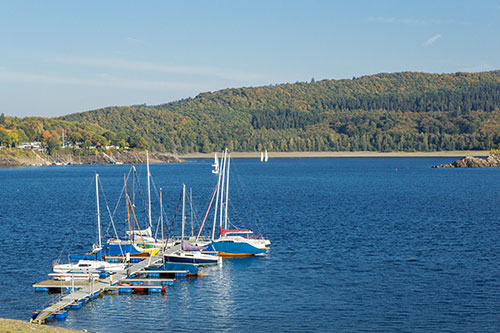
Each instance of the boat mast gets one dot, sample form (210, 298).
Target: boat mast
(191, 209)
(149, 189)
(133, 185)
(183, 210)
(227, 191)
(128, 210)
(161, 219)
(98, 212)
(216, 203)
(222, 188)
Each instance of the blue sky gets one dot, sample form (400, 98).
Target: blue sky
(60, 57)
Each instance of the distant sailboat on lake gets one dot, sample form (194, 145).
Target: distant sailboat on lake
(263, 156)
(216, 164)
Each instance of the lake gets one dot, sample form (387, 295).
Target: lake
(358, 244)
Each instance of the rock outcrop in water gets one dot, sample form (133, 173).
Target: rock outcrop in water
(473, 162)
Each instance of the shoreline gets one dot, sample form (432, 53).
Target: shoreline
(11, 161)
(455, 153)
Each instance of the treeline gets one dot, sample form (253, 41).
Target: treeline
(385, 112)
(48, 131)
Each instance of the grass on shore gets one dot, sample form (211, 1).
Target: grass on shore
(12, 325)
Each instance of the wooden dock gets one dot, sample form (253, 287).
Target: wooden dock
(88, 288)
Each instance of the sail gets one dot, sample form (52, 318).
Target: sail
(223, 231)
(188, 247)
(216, 164)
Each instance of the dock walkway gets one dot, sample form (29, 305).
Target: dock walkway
(91, 289)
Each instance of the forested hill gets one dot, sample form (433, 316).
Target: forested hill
(386, 112)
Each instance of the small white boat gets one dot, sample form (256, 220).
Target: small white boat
(193, 257)
(87, 266)
(190, 254)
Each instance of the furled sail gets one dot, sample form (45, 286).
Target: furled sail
(223, 231)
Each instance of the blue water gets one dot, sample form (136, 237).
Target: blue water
(358, 244)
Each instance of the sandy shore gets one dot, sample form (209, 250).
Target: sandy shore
(459, 153)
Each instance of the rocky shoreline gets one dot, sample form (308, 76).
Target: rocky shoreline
(117, 157)
(491, 161)
(8, 161)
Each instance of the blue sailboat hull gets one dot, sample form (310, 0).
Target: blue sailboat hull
(168, 266)
(228, 248)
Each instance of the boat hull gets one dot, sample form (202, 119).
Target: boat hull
(196, 258)
(191, 269)
(231, 248)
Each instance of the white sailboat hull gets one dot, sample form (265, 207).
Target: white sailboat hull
(89, 266)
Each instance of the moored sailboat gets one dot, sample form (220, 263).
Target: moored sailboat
(88, 266)
(188, 253)
(116, 247)
(234, 242)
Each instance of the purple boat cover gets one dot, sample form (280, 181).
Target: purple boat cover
(188, 247)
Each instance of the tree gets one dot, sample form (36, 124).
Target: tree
(13, 139)
(22, 136)
(76, 137)
(52, 144)
(138, 142)
(46, 134)
(4, 137)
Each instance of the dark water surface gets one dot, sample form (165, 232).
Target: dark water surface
(372, 244)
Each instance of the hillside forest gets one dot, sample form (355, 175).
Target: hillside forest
(405, 111)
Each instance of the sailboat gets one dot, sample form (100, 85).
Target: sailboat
(231, 242)
(88, 266)
(265, 156)
(188, 253)
(216, 164)
(261, 156)
(94, 262)
(126, 248)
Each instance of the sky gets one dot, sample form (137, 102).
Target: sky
(61, 57)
